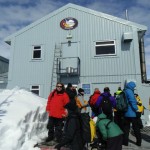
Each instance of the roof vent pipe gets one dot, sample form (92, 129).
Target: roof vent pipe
(126, 15)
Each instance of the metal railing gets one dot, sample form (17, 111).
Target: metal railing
(68, 66)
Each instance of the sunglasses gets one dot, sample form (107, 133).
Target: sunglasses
(59, 86)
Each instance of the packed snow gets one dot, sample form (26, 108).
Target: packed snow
(23, 119)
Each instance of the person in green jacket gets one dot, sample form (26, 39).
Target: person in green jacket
(110, 132)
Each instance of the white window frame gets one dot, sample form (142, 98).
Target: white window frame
(35, 89)
(34, 49)
(104, 43)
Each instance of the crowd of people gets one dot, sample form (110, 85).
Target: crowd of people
(65, 106)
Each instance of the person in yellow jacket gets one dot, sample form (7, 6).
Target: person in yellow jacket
(139, 103)
(80, 102)
(140, 110)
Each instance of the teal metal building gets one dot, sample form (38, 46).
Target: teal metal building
(75, 44)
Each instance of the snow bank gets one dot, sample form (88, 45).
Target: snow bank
(22, 119)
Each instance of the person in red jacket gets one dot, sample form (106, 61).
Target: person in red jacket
(56, 103)
(92, 100)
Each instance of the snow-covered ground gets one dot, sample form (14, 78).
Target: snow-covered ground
(22, 119)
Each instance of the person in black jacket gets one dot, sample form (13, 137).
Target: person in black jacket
(72, 132)
(71, 92)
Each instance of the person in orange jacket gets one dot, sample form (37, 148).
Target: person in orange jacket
(80, 101)
(56, 103)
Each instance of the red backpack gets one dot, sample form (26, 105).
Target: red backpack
(92, 100)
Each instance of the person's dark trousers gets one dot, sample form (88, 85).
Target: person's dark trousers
(100, 138)
(114, 143)
(55, 126)
(138, 115)
(140, 123)
(119, 119)
(136, 129)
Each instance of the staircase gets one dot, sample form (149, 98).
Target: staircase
(54, 77)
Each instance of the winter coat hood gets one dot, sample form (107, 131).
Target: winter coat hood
(97, 92)
(118, 92)
(102, 116)
(131, 85)
(106, 94)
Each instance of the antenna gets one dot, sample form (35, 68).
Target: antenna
(126, 15)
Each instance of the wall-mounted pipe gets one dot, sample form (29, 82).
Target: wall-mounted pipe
(142, 60)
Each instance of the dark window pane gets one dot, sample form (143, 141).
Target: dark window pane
(37, 47)
(105, 50)
(37, 54)
(107, 42)
(35, 87)
(35, 91)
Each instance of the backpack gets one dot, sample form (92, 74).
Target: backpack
(85, 127)
(121, 102)
(106, 105)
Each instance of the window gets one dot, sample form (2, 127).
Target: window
(35, 89)
(105, 48)
(36, 52)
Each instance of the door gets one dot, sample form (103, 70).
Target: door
(69, 55)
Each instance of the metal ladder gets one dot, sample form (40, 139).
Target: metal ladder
(57, 54)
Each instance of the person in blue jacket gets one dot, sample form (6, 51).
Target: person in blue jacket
(130, 115)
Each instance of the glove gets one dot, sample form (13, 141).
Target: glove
(57, 147)
(139, 104)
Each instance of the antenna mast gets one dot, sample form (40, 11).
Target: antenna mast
(126, 15)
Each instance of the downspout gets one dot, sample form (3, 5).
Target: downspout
(142, 60)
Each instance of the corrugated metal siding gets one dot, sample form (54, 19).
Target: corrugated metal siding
(91, 28)
(102, 29)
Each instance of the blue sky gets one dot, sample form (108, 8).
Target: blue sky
(16, 14)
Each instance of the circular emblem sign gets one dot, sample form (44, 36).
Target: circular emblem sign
(68, 23)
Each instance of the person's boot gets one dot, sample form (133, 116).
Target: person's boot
(138, 143)
(48, 139)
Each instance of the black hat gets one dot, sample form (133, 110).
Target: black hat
(80, 90)
(69, 85)
(119, 88)
(106, 89)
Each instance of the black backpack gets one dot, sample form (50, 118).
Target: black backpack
(106, 105)
(121, 102)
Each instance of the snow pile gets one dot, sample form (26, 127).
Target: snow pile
(22, 119)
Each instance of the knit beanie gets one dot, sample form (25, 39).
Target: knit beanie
(80, 90)
(69, 85)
